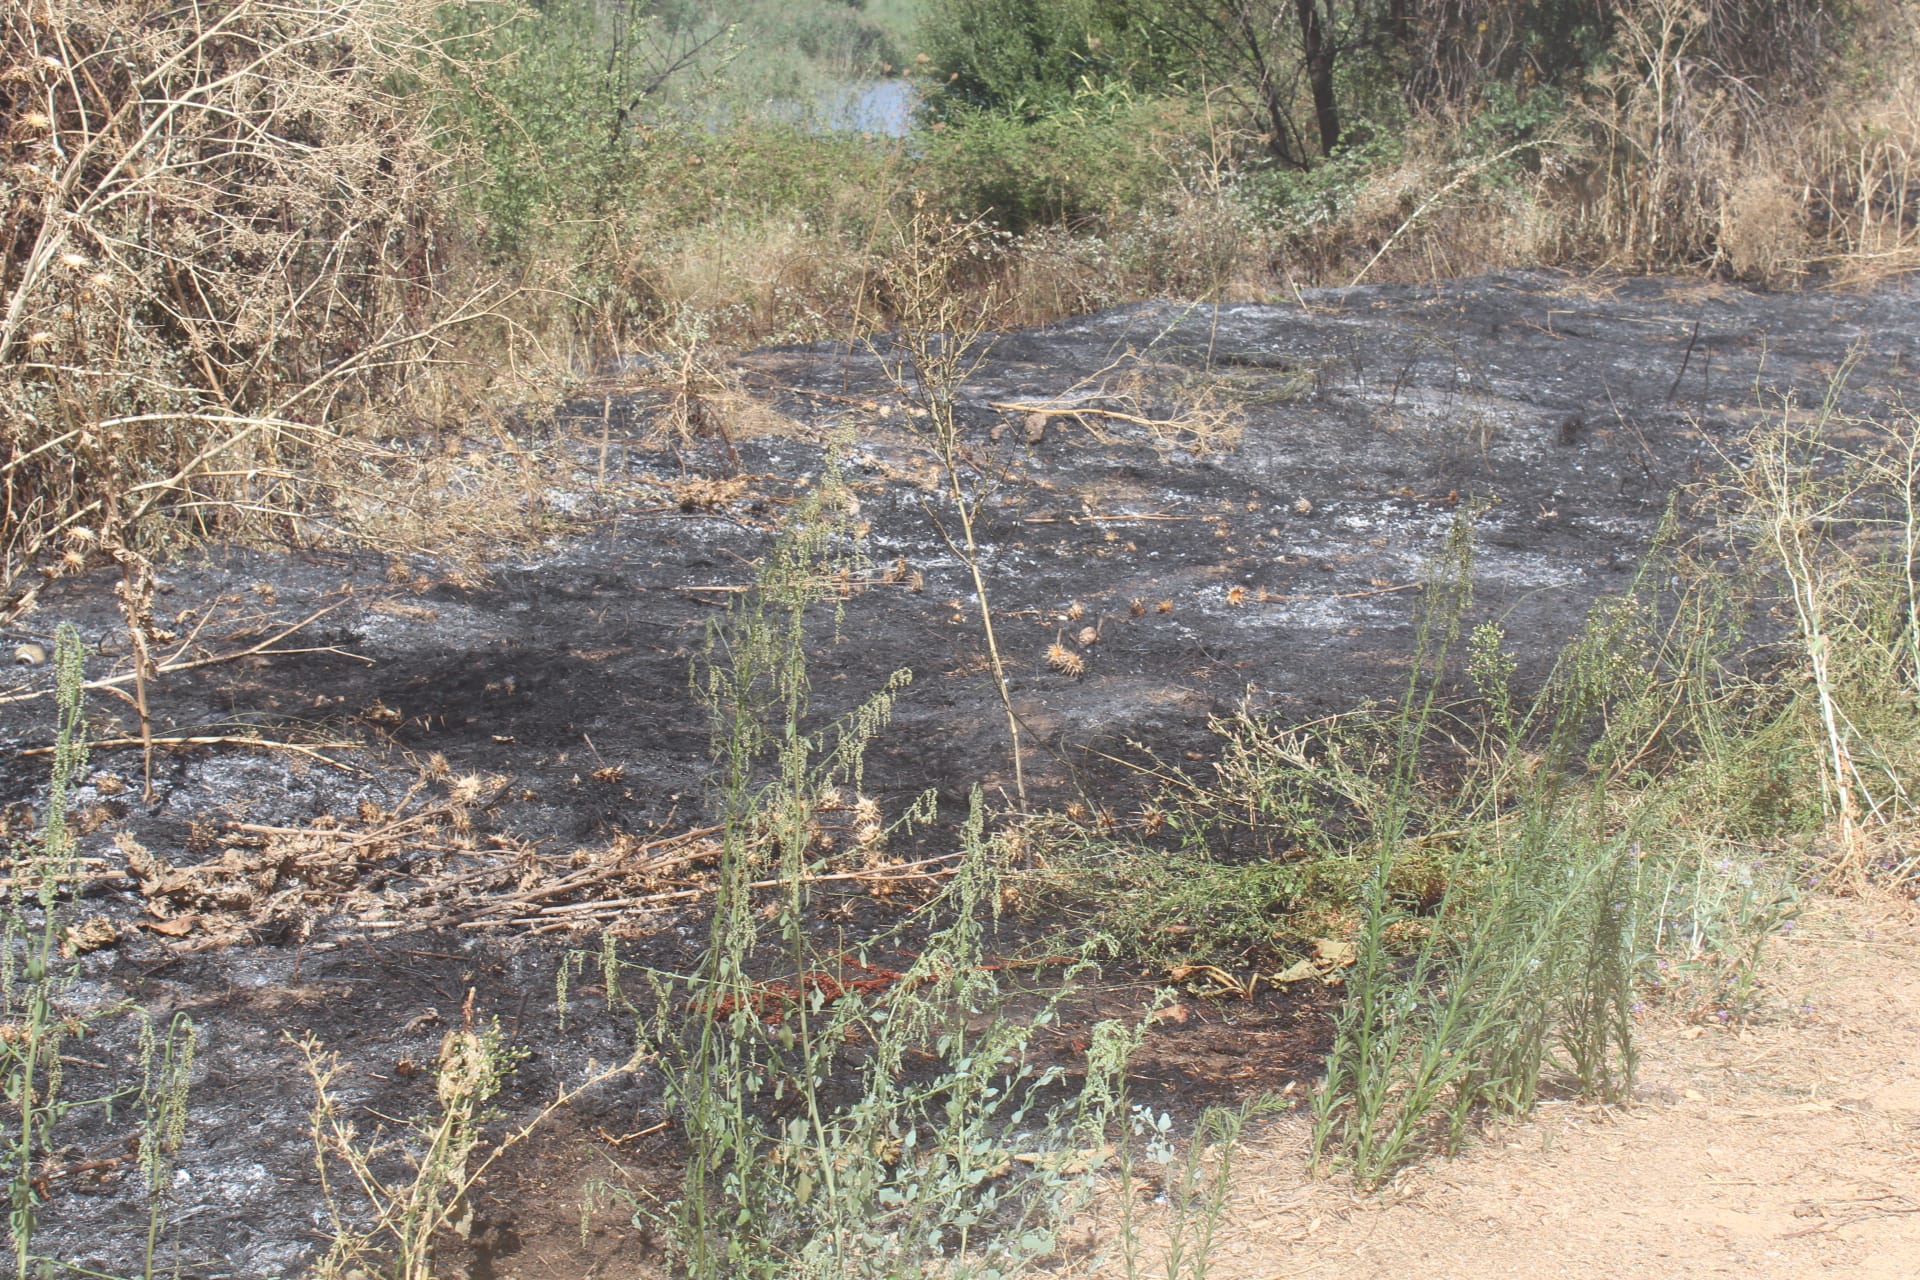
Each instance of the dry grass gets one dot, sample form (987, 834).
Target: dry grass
(1861, 162)
(777, 278)
(1769, 179)
(1192, 246)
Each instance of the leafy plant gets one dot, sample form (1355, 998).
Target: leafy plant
(1196, 1186)
(843, 1118)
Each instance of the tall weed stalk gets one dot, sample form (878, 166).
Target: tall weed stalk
(1835, 525)
(166, 1059)
(943, 338)
(36, 978)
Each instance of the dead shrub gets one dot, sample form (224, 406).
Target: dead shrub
(1743, 136)
(222, 235)
(1671, 123)
(1762, 229)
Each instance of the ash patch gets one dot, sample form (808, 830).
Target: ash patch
(1276, 562)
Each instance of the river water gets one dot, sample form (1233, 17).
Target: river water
(881, 107)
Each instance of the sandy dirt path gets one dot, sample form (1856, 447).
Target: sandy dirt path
(1787, 1147)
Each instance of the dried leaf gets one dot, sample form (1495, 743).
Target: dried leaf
(91, 934)
(1298, 972)
(1331, 952)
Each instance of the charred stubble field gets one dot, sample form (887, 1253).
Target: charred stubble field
(419, 800)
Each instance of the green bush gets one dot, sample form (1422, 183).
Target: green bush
(599, 142)
(1012, 55)
(1091, 158)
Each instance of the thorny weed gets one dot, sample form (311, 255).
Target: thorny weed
(389, 1198)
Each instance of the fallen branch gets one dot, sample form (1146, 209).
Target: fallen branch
(1343, 595)
(585, 911)
(222, 740)
(611, 869)
(262, 649)
(77, 880)
(1102, 519)
(1082, 411)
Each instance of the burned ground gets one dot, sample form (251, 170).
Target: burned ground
(1269, 558)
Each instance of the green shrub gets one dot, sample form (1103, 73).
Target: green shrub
(1015, 56)
(1090, 160)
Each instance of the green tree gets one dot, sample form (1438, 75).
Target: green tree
(1026, 56)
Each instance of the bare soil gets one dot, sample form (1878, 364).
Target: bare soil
(1785, 1146)
(443, 780)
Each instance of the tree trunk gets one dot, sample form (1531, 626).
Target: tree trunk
(1272, 95)
(1316, 49)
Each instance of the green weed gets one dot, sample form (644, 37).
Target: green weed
(1517, 873)
(36, 978)
(844, 1118)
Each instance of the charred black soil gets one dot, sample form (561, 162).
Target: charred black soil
(441, 782)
